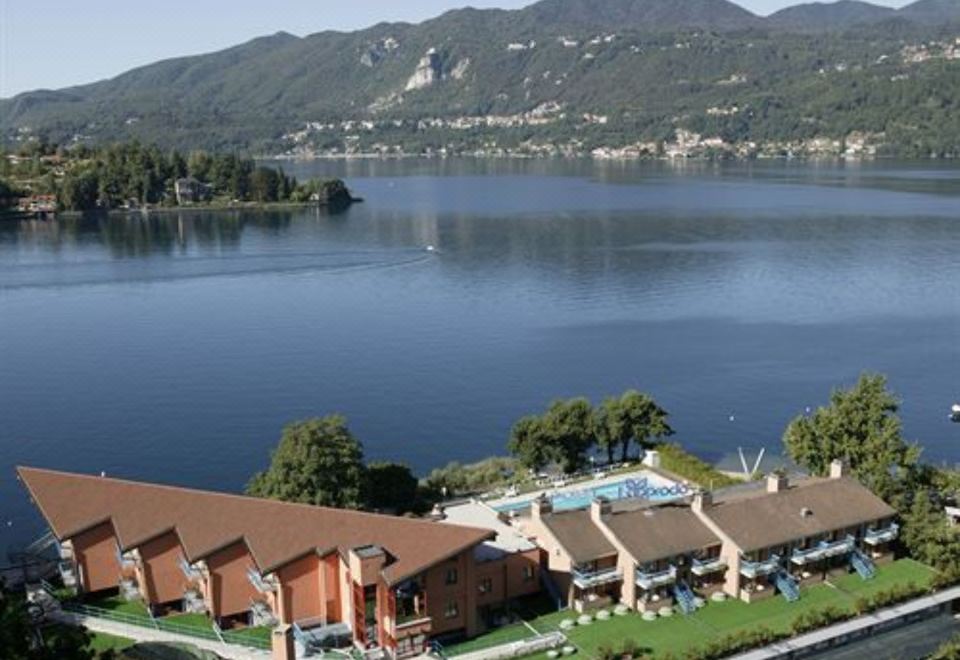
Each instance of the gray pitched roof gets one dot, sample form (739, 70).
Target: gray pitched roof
(761, 519)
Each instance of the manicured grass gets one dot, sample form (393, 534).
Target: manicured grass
(190, 620)
(512, 633)
(900, 572)
(678, 634)
(257, 635)
(118, 604)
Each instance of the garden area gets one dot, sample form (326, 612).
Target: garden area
(193, 625)
(722, 623)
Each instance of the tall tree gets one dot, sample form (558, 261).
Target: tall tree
(571, 429)
(646, 421)
(613, 427)
(861, 427)
(391, 487)
(530, 444)
(19, 638)
(318, 462)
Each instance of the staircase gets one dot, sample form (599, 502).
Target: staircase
(685, 598)
(863, 565)
(787, 586)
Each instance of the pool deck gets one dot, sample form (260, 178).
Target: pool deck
(641, 472)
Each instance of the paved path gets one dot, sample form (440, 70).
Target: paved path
(851, 627)
(139, 634)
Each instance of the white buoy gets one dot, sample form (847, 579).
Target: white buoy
(431, 248)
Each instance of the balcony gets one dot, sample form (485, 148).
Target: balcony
(192, 573)
(67, 574)
(261, 614)
(129, 590)
(656, 579)
(588, 579)
(260, 583)
(193, 602)
(881, 536)
(701, 567)
(755, 569)
(823, 550)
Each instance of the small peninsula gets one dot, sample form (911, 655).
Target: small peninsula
(42, 179)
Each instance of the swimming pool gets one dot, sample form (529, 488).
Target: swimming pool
(648, 487)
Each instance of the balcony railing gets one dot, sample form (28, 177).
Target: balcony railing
(755, 569)
(883, 535)
(823, 550)
(126, 561)
(261, 614)
(190, 572)
(260, 584)
(67, 574)
(708, 566)
(410, 619)
(654, 579)
(587, 579)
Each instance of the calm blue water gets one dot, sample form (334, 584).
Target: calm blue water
(175, 348)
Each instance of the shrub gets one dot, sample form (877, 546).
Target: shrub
(674, 459)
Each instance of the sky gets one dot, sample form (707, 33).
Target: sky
(56, 43)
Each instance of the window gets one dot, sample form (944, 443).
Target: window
(452, 610)
(451, 576)
(486, 585)
(527, 573)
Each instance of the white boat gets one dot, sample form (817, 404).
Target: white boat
(955, 412)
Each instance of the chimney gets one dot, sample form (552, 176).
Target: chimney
(540, 507)
(776, 482)
(702, 500)
(599, 508)
(838, 469)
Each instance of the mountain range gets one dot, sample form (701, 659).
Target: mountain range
(646, 66)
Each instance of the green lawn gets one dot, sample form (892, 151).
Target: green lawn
(260, 635)
(118, 604)
(680, 633)
(505, 635)
(190, 620)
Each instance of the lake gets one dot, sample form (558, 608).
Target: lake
(175, 347)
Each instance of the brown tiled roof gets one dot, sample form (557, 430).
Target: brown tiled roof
(275, 532)
(578, 535)
(760, 519)
(659, 532)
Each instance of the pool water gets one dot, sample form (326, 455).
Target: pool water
(648, 487)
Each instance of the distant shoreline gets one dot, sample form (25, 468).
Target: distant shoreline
(167, 210)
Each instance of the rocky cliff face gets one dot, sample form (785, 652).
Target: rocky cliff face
(428, 72)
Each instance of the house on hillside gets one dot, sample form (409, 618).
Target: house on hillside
(190, 191)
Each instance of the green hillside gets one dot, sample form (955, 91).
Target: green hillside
(644, 68)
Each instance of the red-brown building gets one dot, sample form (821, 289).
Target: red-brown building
(383, 581)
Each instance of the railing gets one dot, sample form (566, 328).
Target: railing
(241, 638)
(883, 535)
(707, 566)
(67, 574)
(823, 550)
(656, 579)
(586, 579)
(411, 619)
(190, 572)
(753, 569)
(258, 582)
